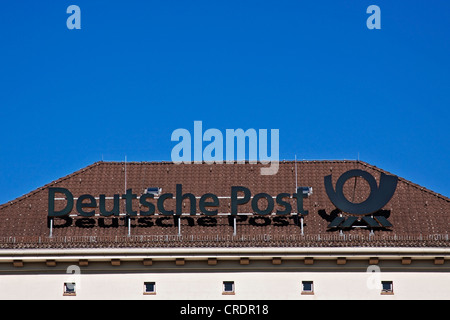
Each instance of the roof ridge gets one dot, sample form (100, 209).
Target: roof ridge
(234, 161)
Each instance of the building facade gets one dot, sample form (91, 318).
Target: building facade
(315, 230)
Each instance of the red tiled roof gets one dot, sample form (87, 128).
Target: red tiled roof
(418, 215)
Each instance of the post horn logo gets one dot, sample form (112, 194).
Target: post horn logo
(379, 196)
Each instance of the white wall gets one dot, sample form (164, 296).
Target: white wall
(248, 285)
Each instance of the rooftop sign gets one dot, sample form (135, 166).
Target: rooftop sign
(88, 206)
(379, 196)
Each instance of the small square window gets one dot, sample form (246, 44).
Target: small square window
(69, 289)
(307, 287)
(149, 288)
(387, 287)
(228, 287)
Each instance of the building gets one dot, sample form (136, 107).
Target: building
(111, 231)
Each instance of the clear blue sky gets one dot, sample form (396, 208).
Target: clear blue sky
(137, 70)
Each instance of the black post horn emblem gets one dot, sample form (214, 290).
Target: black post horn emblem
(378, 198)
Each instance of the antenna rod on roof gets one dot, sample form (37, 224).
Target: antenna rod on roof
(125, 174)
(296, 184)
(296, 190)
(128, 217)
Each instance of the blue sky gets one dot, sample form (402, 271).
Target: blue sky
(138, 70)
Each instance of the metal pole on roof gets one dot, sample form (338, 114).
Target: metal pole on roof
(51, 227)
(125, 174)
(128, 217)
(296, 190)
(296, 184)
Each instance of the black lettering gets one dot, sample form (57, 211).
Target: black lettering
(203, 204)
(126, 220)
(239, 218)
(51, 202)
(207, 222)
(143, 201)
(281, 202)
(68, 222)
(179, 202)
(114, 223)
(269, 207)
(299, 196)
(253, 221)
(129, 197)
(160, 204)
(295, 218)
(145, 222)
(234, 198)
(280, 221)
(159, 222)
(85, 223)
(91, 204)
(189, 220)
(102, 206)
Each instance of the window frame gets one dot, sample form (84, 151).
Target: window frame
(149, 292)
(308, 292)
(228, 292)
(389, 291)
(69, 292)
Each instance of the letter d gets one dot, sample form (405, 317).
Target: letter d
(51, 202)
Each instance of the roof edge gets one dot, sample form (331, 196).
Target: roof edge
(82, 170)
(73, 174)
